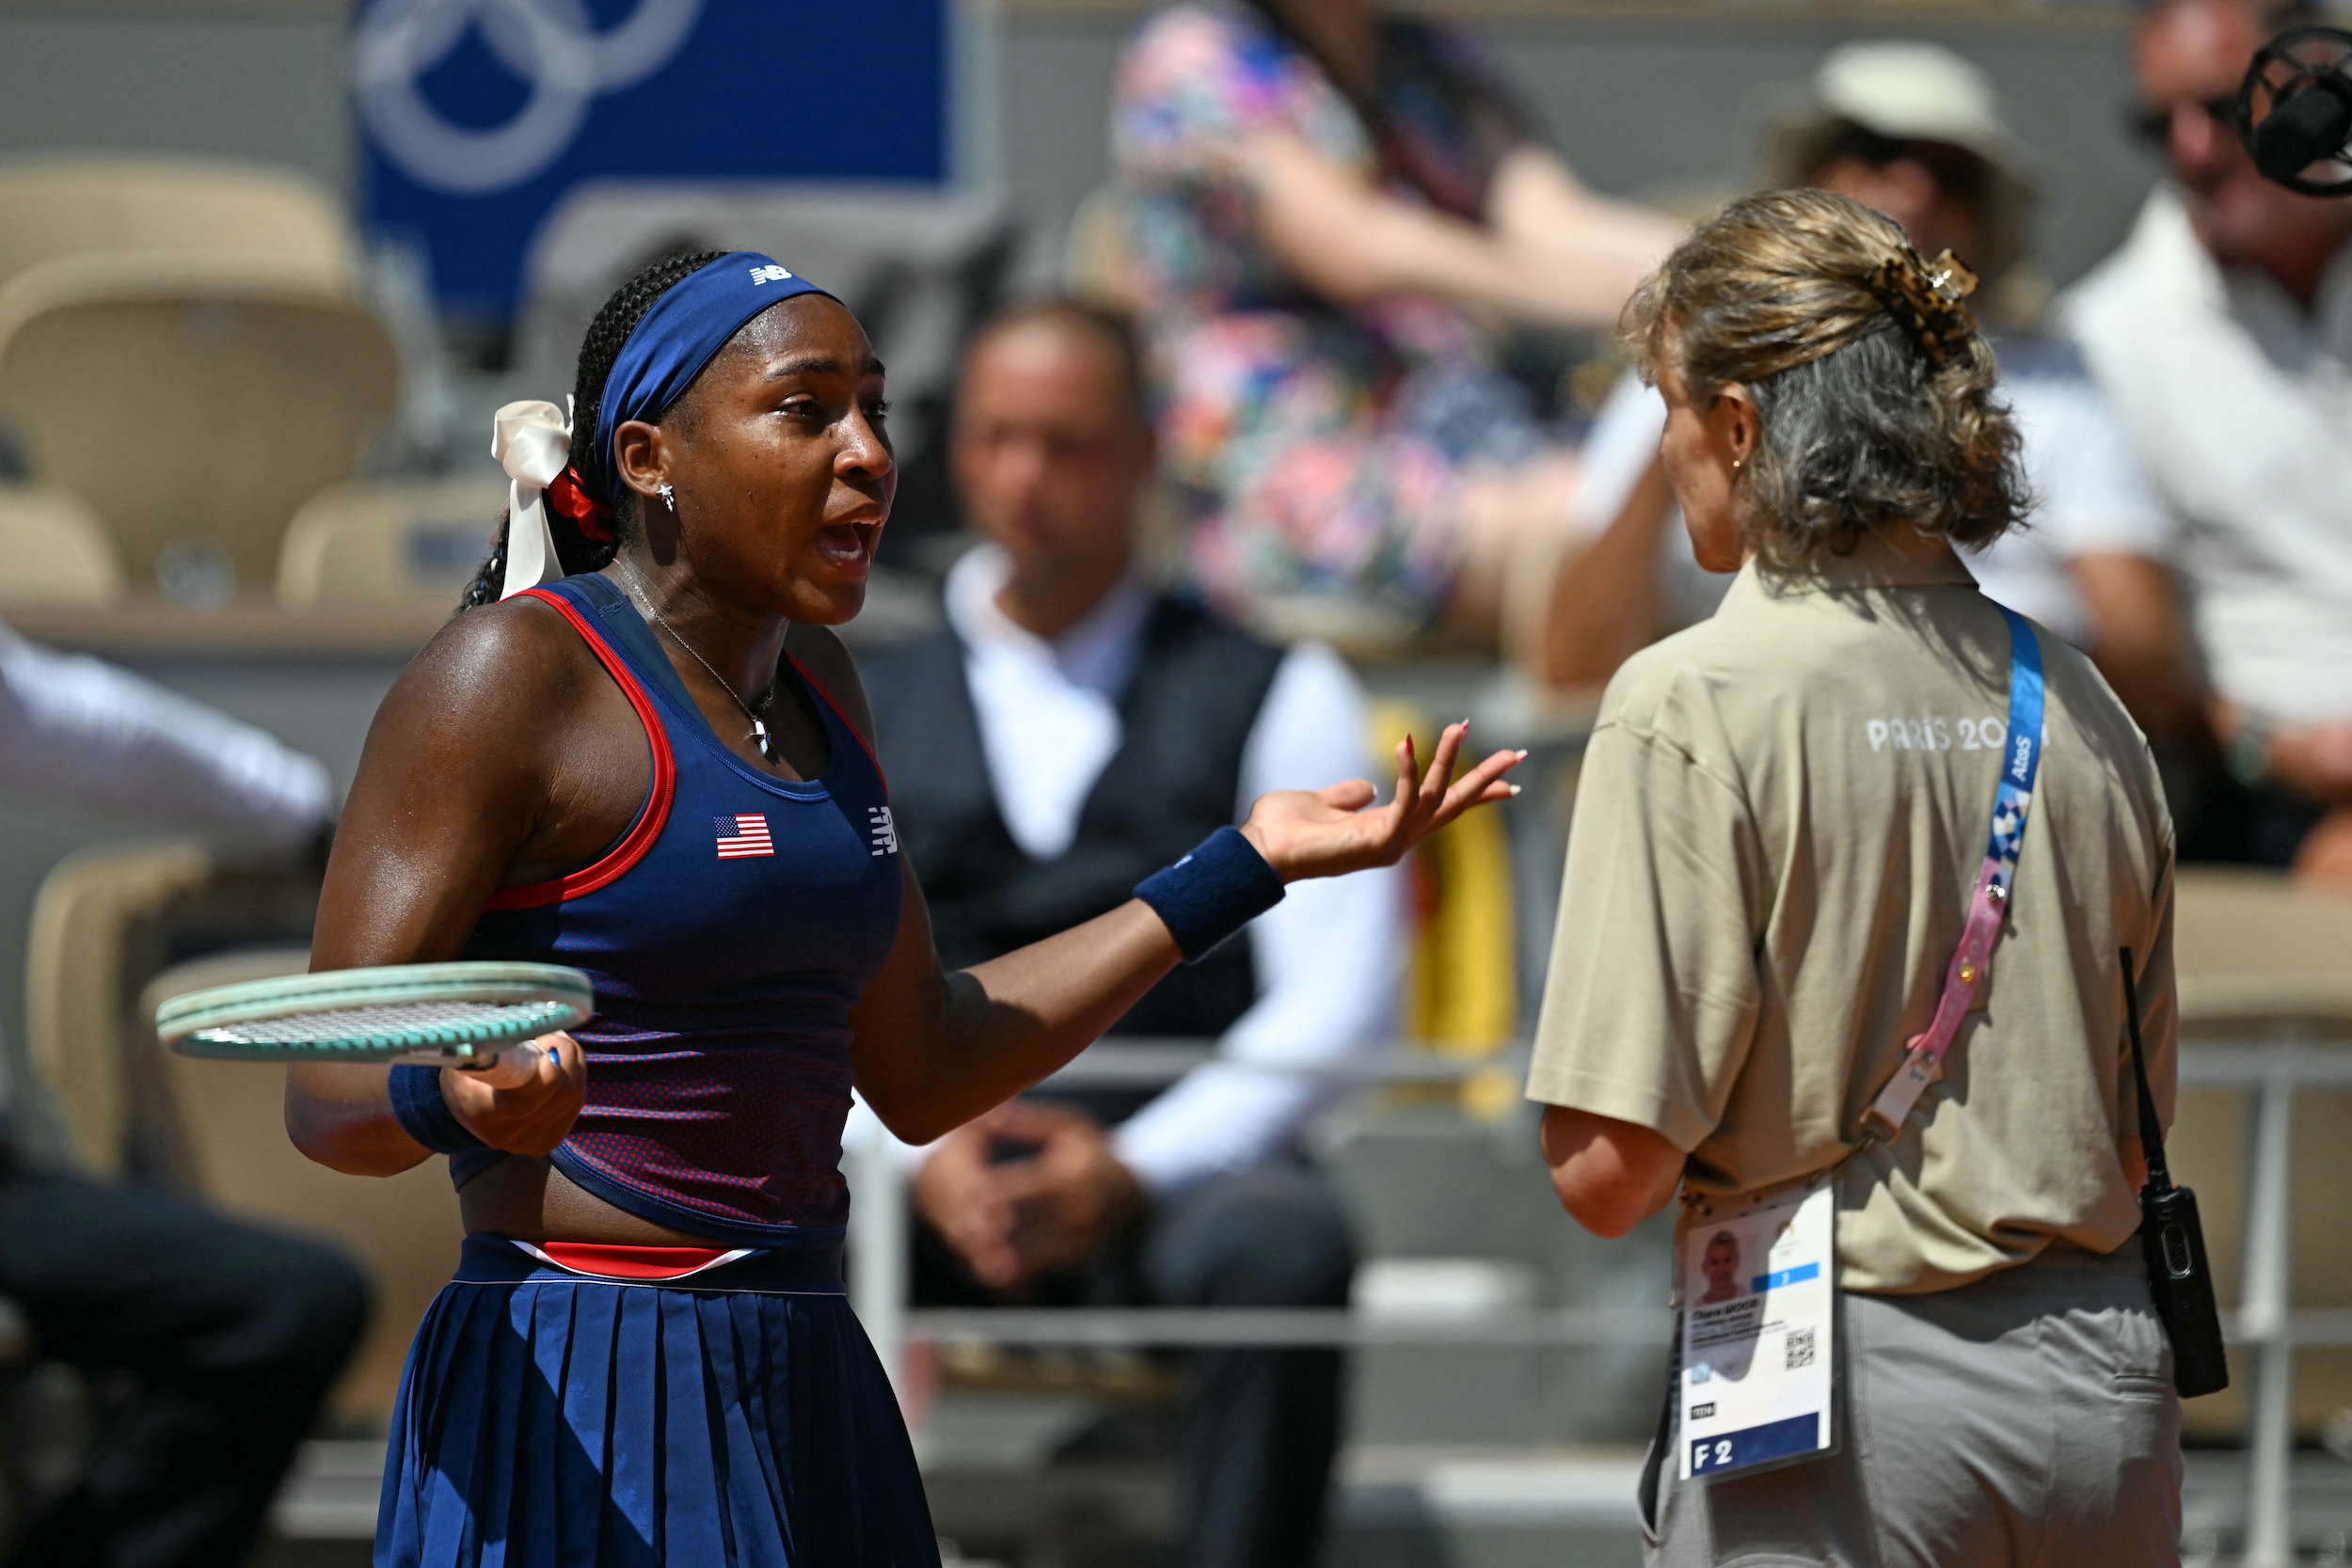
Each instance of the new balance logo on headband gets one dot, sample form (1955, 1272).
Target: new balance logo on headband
(771, 274)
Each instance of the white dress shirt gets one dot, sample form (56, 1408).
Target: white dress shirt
(2240, 403)
(1329, 957)
(2090, 496)
(84, 733)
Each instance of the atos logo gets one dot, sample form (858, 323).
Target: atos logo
(769, 275)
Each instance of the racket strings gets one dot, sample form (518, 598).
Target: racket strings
(422, 1022)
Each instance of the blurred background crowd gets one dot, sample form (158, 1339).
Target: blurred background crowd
(1256, 399)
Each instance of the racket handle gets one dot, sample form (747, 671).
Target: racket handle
(512, 1068)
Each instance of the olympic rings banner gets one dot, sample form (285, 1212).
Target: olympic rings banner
(476, 116)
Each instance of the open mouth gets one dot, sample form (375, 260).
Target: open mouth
(847, 547)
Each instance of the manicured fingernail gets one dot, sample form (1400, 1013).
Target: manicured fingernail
(1515, 789)
(1522, 754)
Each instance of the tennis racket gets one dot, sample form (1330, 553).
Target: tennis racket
(481, 1017)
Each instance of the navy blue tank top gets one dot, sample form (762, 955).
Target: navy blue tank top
(729, 933)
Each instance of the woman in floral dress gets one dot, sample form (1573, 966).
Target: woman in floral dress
(1328, 213)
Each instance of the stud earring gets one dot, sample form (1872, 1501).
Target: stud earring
(669, 498)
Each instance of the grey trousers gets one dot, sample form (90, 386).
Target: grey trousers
(2025, 1419)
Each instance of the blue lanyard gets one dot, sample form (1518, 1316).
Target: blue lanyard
(2021, 749)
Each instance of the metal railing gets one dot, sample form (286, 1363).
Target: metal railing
(2264, 1326)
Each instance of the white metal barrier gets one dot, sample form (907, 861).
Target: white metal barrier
(2265, 1325)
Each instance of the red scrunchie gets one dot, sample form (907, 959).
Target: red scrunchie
(587, 514)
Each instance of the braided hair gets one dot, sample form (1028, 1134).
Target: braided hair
(574, 550)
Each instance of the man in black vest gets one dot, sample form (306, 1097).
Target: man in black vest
(1068, 734)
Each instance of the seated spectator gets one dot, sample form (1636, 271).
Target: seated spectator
(1051, 747)
(2221, 331)
(1912, 130)
(224, 1340)
(1324, 202)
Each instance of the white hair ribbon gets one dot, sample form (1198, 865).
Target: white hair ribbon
(532, 442)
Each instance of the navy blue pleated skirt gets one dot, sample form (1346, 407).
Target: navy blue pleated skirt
(738, 1417)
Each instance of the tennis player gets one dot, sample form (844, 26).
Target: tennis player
(657, 769)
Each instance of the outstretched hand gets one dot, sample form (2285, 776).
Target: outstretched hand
(1329, 832)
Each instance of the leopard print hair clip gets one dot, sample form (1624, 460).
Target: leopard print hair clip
(1924, 297)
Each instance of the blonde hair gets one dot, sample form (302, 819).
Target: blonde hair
(1869, 418)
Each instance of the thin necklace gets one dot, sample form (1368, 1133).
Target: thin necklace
(759, 731)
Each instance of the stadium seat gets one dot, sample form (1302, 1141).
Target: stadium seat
(74, 205)
(225, 1127)
(387, 542)
(81, 976)
(194, 400)
(2257, 954)
(58, 549)
(119, 927)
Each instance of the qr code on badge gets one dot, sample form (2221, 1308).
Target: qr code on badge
(1800, 1347)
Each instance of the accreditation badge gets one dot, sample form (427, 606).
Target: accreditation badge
(1759, 1288)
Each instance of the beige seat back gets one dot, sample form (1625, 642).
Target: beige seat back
(226, 1129)
(2259, 956)
(371, 542)
(80, 975)
(54, 549)
(195, 400)
(74, 205)
(105, 924)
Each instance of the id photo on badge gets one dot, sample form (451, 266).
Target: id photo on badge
(1719, 1278)
(1758, 1298)
(1725, 1293)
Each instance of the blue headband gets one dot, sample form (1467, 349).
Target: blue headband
(675, 340)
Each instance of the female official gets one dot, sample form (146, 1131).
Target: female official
(1779, 844)
(658, 770)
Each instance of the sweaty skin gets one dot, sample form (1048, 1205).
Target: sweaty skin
(506, 756)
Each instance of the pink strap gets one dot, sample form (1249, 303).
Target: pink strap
(1972, 961)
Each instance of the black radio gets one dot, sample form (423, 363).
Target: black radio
(2178, 1276)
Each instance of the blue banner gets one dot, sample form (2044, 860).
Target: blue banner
(476, 116)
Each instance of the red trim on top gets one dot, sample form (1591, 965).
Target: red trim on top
(613, 1262)
(650, 821)
(817, 687)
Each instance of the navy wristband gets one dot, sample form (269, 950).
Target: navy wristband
(1212, 892)
(423, 1115)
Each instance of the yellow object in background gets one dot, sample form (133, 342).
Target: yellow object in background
(1462, 992)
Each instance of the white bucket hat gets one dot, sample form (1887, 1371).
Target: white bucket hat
(1910, 93)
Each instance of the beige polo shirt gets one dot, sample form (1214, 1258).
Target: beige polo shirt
(1780, 816)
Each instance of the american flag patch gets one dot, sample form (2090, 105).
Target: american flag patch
(740, 838)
